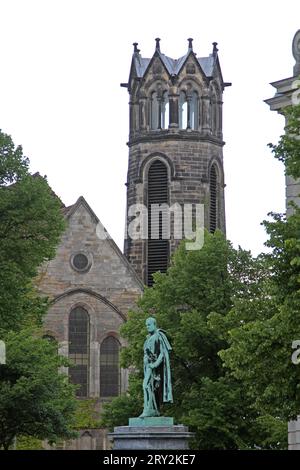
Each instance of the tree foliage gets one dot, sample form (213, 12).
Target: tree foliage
(30, 227)
(194, 303)
(36, 401)
(231, 320)
(260, 350)
(288, 148)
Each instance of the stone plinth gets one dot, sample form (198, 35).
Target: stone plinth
(151, 421)
(294, 434)
(157, 433)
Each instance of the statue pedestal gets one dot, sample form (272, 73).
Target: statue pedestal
(157, 433)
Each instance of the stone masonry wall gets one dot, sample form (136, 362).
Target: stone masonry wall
(190, 161)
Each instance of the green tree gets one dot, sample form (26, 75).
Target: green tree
(193, 303)
(288, 148)
(31, 224)
(232, 320)
(35, 399)
(260, 350)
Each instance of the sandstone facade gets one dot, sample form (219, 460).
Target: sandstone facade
(106, 290)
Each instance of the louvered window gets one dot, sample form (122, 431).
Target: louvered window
(109, 367)
(158, 248)
(79, 349)
(213, 208)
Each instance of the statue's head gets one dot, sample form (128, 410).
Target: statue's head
(151, 324)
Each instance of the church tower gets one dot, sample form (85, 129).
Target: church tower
(175, 150)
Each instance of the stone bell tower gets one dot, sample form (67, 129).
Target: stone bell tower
(175, 150)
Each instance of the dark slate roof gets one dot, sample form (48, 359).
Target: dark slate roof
(140, 65)
(207, 65)
(173, 66)
(66, 210)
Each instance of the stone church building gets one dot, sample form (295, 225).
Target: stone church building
(91, 286)
(175, 157)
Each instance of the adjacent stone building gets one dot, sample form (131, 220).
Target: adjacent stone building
(287, 93)
(285, 90)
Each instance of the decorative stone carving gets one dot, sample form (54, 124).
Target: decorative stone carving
(296, 52)
(190, 68)
(157, 68)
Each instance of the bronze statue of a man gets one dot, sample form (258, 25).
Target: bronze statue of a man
(157, 385)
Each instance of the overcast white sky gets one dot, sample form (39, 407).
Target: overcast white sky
(62, 62)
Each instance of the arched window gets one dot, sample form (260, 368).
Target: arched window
(194, 114)
(215, 103)
(158, 245)
(214, 115)
(159, 111)
(165, 111)
(183, 110)
(109, 367)
(213, 195)
(49, 338)
(79, 349)
(154, 111)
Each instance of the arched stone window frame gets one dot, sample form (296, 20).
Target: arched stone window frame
(154, 111)
(91, 301)
(189, 103)
(49, 336)
(183, 110)
(159, 108)
(134, 110)
(78, 357)
(214, 163)
(144, 168)
(104, 394)
(165, 110)
(194, 110)
(165, 243)
(216, 108)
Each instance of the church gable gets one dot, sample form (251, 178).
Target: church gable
(91, 287)
(191, 70)
(156, 72)
(85, 259)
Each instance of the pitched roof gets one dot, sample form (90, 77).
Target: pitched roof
(207, 64)
(65, 210)
(69, 211)
(173, 66)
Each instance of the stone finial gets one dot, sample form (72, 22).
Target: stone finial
(135, 46)
(190, 40)
(215, 49)
(157, 46)
(296, 52)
